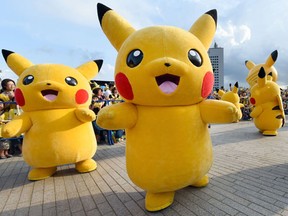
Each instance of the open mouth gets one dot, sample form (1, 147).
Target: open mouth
(167, 83)
(49, 94)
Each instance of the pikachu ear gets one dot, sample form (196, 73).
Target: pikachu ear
(235, 88)
(262, 78)
(16, 62)
(90, 69)
(114, 26)
(249, 64)
(272, 58)
(205, 27)
(220, 92)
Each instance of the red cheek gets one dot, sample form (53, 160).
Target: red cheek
(81, 96)
(252, 101)
(124, 87)
(207, 84)
(19, 97)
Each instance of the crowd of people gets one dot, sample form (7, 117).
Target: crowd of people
(101, 98)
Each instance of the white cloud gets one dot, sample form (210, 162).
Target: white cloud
(235, 35)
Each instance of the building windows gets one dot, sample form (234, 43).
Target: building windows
(216, 55)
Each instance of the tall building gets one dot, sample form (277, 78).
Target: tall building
(216, 55)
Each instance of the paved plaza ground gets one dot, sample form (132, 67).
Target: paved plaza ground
(249, 176)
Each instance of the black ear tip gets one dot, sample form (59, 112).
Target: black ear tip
(99, 63)
(217, 90)
(6, 53)
(274, 55)
(102, 9)
(213, 14)
(236, 85)
(246, 62)
(261, 73)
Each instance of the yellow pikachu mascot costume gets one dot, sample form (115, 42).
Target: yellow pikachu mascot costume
(268, 113)
(267, 66)
(164, 75)
(56, 121)
(232, 97)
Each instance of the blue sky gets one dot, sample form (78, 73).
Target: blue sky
(68, 31)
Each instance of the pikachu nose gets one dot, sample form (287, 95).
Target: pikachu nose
(167, 64)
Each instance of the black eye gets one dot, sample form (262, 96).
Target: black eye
(28, 79)
(71, 81)
(134, 58)
(195, 57)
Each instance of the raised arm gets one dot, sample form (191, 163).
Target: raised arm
(216, 111)
(280, 102)
(84, 114)
(20, 124)
(117, 116)
(256, 111)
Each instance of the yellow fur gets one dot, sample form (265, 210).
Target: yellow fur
(165, 114)
(268, 112)
(57, 129)
(268, 67)
(232, 97)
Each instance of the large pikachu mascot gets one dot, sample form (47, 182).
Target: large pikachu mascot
(56, 121)
(267, 66)
(268, 112)
(232, 97)
(164, 75)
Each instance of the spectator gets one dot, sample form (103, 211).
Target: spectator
(108, 92)
(4, 143)
(11, 109)
(7, 94)
(114, 96)
(98, 102)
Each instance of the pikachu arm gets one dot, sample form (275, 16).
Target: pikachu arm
(117, 116)
(257, 110)
(85, 114)
(17, 126)
(241, 105)
(280, 102)
(218, 111)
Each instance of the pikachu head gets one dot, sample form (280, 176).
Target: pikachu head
(161, 65)
(51, 86)
(265, 90)
(267, 66)
(230, 96)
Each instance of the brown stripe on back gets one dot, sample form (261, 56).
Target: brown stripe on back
(283, 119)
(276, 108)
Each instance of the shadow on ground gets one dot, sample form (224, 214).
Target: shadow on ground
(259, 191)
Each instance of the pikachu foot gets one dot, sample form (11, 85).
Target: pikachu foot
(270, 133)
(41, 173)
(202, 182)
(86, 166)
(158, 201)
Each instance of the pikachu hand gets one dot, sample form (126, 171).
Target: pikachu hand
(234, 113)
(85, 115)
(8, 131)
(117, 116)
(215, 111)
(104, 116)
